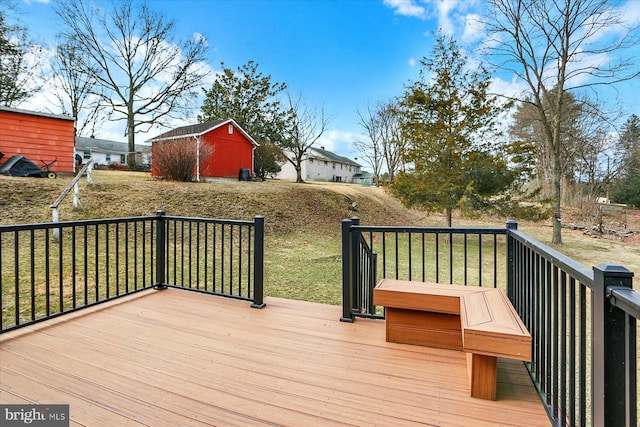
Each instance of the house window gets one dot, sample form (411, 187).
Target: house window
(86, 155)
(107, 157)
(326, 162)
(123, 160)
(334, 165)
(310, 160)
(230, 129)
(341, 166)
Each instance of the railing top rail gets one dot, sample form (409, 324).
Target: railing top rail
(626, 299)
(576, 270)
(43, 225)
(71, 184)
(209, 220)
(440, 230)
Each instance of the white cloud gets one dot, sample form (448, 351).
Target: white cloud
(339, 142)
(474, 28)
(412, 62)
(444, 9)
(406, 8)
(513, 88)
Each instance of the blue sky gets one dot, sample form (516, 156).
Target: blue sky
(339, 55)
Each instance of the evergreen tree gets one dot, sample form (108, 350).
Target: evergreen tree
(628, 151)
(248, 97)
(450, 123)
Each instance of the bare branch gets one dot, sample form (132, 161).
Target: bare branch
(141, 71)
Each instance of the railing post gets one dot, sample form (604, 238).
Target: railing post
(511, 247)
(258, 263)
(89, 170)
(608, 347)
(356, 273)
(346, 272)
(160, 250)
(55, 217)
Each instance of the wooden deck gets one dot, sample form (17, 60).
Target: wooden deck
(177, 358)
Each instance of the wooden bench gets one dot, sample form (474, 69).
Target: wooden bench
(479, 321)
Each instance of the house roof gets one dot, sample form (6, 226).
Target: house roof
(322, 154)
(199, 130)
(37, 113)
(104, 146)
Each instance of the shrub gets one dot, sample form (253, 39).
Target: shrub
(176, 160)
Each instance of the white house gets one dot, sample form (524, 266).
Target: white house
(105, 152)
(322, 165)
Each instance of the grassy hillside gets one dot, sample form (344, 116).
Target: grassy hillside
(287, 207)
(302, 220)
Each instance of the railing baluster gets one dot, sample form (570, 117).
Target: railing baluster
(16, 276)
(61, 270)
(32, 260)
(450, 258)
(47, 257)
(73, 267)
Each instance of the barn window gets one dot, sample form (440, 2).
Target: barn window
(230, 129)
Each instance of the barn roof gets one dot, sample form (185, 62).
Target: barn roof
(36, 113)
(199, 130)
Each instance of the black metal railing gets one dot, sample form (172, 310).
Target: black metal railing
(582, 321)
(583, 326)
(468, 256)
(217, 256)
(55, 268)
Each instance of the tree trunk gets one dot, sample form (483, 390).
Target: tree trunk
(131, 133)
(557, 213)
(298, 167)
(449, 215)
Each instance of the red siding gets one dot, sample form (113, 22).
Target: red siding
(229, 153)
(38, 138)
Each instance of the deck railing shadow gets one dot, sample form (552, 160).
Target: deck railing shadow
(51, 269)
(582, 321)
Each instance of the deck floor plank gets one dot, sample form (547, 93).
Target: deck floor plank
(184, 358)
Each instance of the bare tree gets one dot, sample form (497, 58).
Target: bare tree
(20, 61)
(385, 145)
(143, 74)
(371, 150)
(393, 141)
(73, 86)
(304, 126)
(557, 47)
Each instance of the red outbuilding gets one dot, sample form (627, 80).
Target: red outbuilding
(222, 147)
(40, 137)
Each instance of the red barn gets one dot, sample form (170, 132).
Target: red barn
(222, 147)
(38, 137)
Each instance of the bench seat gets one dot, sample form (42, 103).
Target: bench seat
(479, 321)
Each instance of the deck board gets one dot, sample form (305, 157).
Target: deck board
(182, 358)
